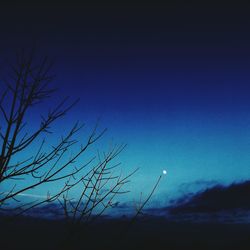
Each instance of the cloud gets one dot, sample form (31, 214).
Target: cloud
(198, 184)
(215, 199)
(28, 195)
(51, 210)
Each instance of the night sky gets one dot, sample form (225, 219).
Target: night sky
(171, 81)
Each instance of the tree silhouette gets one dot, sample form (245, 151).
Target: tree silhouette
(28, 162)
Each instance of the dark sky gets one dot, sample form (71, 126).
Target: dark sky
(170, 80)
(127, 29)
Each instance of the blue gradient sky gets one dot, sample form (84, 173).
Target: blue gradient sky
(170, 81)
(192, 120)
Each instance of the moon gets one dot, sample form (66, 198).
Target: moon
(164, 171)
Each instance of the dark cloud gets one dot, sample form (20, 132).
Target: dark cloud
(54, 210)
(50, 211)
(215, 199)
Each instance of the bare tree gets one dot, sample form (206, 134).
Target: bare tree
(99, 188)
(23, 169)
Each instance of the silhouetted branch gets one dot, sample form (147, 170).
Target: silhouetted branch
(27, 162)
(30, 85)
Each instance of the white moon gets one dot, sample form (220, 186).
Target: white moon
(164, 171)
